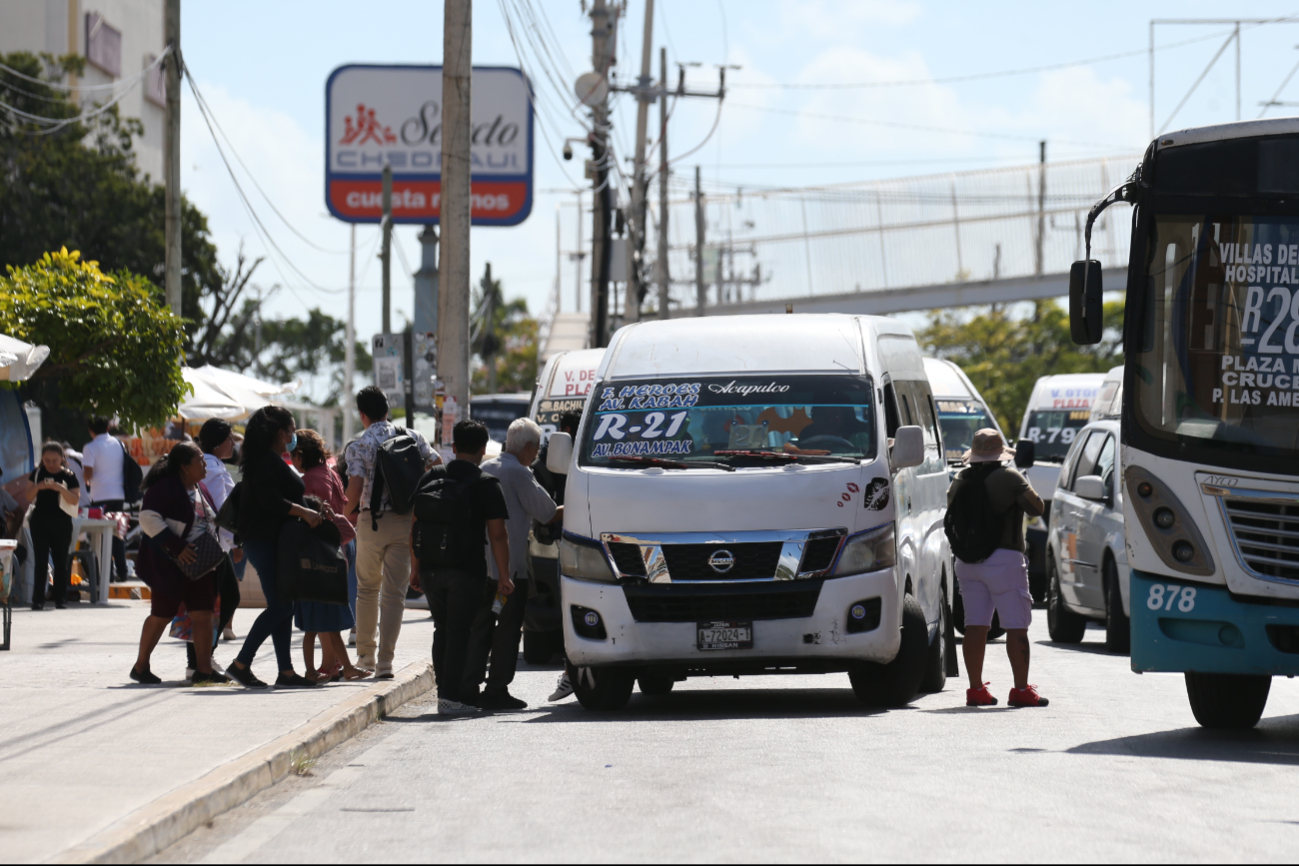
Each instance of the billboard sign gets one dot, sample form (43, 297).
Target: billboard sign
(392, 115)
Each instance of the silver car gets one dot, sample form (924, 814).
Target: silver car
(1087, 563)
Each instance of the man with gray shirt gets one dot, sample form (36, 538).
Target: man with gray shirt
(526, 501)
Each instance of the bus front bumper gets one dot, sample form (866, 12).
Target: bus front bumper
(1180, 626)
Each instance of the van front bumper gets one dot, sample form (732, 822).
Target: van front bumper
(1179, 625)
(821, 639)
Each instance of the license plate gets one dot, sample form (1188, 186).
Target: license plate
(728, 635)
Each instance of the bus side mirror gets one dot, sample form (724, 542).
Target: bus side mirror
(908, 447)
(1025, 453)
(559, 453)
(1085, 308)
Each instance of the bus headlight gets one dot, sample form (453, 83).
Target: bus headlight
(867, 551)
(584, 562)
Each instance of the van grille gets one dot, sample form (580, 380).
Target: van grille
(753, 561)
(1266, 535)
(819, 554)
(627, 558)
(735, 601)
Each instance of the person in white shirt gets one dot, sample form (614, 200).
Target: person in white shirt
(102, 462)
(216, 438)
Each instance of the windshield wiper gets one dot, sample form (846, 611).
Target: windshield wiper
(787, 456)
(673, 464)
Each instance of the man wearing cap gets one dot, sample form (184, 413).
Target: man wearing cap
(1000, 582)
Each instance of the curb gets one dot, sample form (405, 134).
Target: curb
(153, 828)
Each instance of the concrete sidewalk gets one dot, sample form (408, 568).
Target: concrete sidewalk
(83, 747)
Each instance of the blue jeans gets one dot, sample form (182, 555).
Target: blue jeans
(276, 622)
(349, 551)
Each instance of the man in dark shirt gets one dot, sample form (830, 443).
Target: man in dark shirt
(456, 593)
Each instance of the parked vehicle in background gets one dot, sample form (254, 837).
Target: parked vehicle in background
(1058, 408)
(962, 412)
(764, 497)
(1210, 454)
(563, 386)
(1087, 558)
(1109, 402)
(496, 411)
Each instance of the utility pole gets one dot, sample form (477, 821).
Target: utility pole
(349, 350)
(1039, 262)
(601, 246)
(490, 346)
(453, 268)
(662, 269)
(637, 223)
(386, 255)
(171, 157)
(701, 287)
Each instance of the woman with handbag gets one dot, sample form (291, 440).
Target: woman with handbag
(55, 492)
(269, 495)
(178, 557)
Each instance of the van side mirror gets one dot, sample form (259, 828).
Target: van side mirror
(908, 447)
(1090, 487)
(559, 453)
(1025, 453)
(1085, 308)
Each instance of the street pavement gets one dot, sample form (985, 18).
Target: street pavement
(793, 768)
(82, 746)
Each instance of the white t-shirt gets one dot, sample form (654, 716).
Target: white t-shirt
(104, 454)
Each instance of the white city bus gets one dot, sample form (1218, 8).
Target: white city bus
(1210, 423)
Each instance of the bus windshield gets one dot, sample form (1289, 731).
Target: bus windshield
(710, 419)
(1217, 359)
(959, 420)
(1054, 430)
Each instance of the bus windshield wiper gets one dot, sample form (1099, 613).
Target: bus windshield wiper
(787, 456)
(672, 464)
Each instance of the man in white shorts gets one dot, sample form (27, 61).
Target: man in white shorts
(1000, 582)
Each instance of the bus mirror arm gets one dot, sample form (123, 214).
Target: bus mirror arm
(1086, 309)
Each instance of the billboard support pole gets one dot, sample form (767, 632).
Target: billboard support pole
(453, 265)
(386, 255)
(349, 348)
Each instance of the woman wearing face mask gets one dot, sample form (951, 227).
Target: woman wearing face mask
(56, 489)
(271, 494)
(176, 511)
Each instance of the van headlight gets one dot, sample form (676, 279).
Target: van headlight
(867, 551)
(584, 562)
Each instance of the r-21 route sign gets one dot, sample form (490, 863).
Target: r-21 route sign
(377, 115)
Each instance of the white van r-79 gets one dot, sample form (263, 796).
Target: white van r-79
(759, 494)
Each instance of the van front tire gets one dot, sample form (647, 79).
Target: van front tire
(602, 688)
(935, 675)
(896, 683)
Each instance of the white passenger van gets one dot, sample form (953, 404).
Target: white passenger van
(757, 494)
(563, 386)
(1058, 408)
(962, 411)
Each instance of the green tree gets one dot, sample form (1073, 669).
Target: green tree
(1004, 355)
(115, 347)
(504, 341)
(79, 187)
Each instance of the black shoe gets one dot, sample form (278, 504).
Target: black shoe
(38, 605)
(245, 678)
(58, 605)
(294, 681)
(147, 677)
(469, 695)
(213, 678)
(499, 701)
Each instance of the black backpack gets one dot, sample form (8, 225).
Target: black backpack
(445, 533)
(973, 529)
(309, 568)
(132, 476)
(398, 468)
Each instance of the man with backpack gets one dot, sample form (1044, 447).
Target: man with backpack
(457, 510)
(384, 467)
(986, 506)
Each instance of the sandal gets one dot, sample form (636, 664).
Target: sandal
(356, 674)
(329, 675)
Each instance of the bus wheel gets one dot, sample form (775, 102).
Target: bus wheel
(655, 685)
(935, 675)
(602, 688)
(1064, 625)
(1227, 701)
(896, 683)
(1118, 629)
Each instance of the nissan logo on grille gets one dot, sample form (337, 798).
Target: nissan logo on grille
(721, 562)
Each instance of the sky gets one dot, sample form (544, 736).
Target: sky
(262, 69)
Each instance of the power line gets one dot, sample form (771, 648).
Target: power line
(57, 123)
(58, 85)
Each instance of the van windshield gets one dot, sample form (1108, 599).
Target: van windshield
(959, 420)
(707, 419)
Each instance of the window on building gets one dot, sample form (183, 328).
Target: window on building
(103, 44)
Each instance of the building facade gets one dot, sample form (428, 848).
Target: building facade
(119, 39)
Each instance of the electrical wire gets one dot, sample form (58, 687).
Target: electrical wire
(55, 124)
(58, 85)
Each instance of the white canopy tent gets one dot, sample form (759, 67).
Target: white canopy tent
(19, 360)
(233, 396)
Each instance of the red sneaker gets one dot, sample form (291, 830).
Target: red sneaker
(980, 697)
(1026, 697)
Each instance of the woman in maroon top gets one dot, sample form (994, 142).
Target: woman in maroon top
(313, 617)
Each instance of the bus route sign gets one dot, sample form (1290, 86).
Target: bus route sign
(392, 115)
